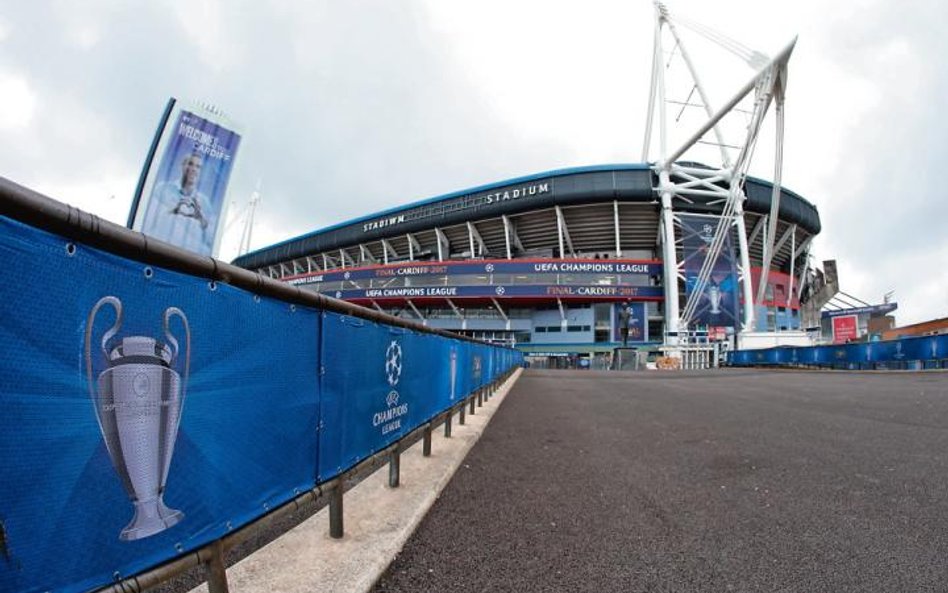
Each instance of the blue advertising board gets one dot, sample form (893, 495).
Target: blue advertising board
(868, 310)
(140, 418)
(634, 317)
(719, 303)
(379, 383)
(148, 413)
(911, 352)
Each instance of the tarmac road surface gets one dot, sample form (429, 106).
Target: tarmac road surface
(729, 480)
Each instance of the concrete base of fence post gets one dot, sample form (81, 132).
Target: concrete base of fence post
(426, 442)
(447, 424)
(471, 402)
(461, 414)
(216, 572)
(335, 512)
(394, 468)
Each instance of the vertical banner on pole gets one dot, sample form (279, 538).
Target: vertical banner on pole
(182, 199)
(633, 317)
(719, 304)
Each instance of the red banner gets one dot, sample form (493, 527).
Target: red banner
(844, 329)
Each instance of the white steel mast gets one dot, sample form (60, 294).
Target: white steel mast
(681, 181)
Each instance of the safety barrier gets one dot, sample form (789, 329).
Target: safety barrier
(915, 353)
(159, 407)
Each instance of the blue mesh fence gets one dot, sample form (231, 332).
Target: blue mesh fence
(922, 352)
(147, 413)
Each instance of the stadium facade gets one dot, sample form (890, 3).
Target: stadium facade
(557, 263)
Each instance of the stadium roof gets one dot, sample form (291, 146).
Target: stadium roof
(561, 187)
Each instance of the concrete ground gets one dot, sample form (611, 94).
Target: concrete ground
(378, 520)
(732, 480)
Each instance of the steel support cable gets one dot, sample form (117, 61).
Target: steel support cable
(764, 91)
(753, 58)
(686, 57)
(761, 106)
(739, 50)
(723, 227)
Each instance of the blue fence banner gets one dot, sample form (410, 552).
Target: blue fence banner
(140, 417)
(379, 383)
(148, 413)
(903, 353)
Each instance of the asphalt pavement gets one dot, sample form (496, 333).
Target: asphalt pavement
(730, 480)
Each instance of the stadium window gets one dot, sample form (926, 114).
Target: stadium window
(655, 329)
(553, 329)
(540, 329)
(574, 328)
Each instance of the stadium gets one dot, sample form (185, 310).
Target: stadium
(555, 263)
(683, 253)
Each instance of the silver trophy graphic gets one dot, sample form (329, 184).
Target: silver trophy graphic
(138, 402)
(714, 295)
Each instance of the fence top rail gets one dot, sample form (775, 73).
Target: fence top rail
(37, 210)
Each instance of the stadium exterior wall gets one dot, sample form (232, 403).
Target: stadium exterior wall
(553, 262)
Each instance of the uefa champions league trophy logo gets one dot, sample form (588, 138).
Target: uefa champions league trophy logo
(714, 296)
(138, 402)
(707, 233)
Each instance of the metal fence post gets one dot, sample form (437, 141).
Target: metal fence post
(461, 415)
(471, 401)
(215, 570)
(480, 397)
(335, 512)
(447, 424)
(426, 441)
(394, 468)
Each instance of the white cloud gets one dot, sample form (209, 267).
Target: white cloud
(350, 108)
(101, 193)
(19, 103)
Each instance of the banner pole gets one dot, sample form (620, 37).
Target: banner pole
(149, 158)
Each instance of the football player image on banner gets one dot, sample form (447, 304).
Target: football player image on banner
(185, 203)
(719, 305)
(631, 323)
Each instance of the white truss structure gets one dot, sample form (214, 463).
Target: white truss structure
(681, 181)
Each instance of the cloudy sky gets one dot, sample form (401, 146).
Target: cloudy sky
(352, 107)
